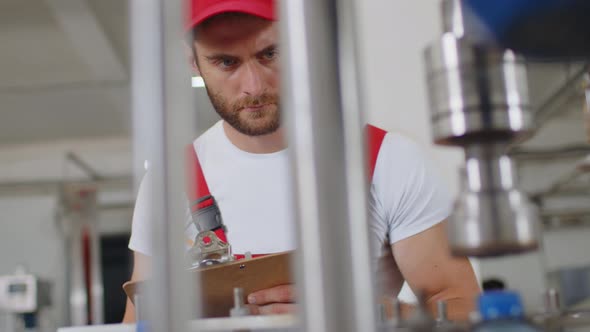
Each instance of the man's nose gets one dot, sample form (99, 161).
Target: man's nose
(252, 83)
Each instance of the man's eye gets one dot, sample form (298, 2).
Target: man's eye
(270, 54)
(227, 62)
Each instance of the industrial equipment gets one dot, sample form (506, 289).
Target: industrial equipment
(479, 101)
(23, 296)
(476, 76)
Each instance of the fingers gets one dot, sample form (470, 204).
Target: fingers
(279, 294)
(273, 309)
(276, 300)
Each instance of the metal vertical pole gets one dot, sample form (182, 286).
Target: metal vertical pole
(326, 149)
(78, 298)
(162, 107)
(97, 284)
(356, 162)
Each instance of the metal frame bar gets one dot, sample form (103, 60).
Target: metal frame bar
(96, 286)
(556, 154)
(76, 297)
(571, 89)
(161, 100)
(352, 100)
(326, 154)
(78, 214)
(84, 166)
(51, 187)
(552, 105)
(561, 182)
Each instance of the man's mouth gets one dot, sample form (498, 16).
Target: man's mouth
(254, 108)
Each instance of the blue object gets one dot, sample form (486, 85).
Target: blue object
(500, 305)
(142, 326)
(538, 28)
(502, 311)
(499, 15)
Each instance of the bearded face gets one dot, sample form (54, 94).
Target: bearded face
(250, 115)
(237, 55)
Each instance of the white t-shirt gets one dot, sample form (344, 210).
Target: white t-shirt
(254, 195)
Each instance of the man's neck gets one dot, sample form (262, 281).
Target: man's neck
(270, 143)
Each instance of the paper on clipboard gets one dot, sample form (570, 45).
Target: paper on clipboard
(218, 282)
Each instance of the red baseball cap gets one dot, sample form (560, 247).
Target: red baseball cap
(200, 10)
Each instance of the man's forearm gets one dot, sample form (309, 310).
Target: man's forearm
(129, 316)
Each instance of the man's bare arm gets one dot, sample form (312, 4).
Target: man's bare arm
(427, 265)
(142, 266)
(424, 261)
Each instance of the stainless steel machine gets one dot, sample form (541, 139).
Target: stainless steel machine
(479, 101)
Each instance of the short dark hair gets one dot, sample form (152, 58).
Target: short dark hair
(190, 40)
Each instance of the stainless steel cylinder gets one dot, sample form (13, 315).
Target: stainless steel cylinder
(479, 101)
(452, 17)
(491, 216)
(441, 306)
(551, 301)
(476, 94)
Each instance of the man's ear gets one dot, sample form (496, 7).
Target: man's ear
(190, 56)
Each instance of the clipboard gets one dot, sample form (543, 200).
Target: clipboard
(218, 282)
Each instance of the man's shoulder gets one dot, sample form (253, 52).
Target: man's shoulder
(399, 157)
(396, 145)
(393, 142)
(210, 136)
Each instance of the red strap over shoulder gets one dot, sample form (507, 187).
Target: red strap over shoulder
(196, 185)
(197, 189)
(375, 138)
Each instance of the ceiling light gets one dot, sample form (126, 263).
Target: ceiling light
(198, 82)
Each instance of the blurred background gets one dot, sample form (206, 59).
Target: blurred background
(67, 175)
(67, 172)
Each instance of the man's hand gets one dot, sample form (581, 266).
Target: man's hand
(276, 300)
(142, 268)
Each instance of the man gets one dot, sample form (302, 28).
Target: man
(244, 160)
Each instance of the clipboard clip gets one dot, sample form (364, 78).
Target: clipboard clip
(209, 250)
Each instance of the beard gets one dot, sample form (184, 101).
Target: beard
(263, 121)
